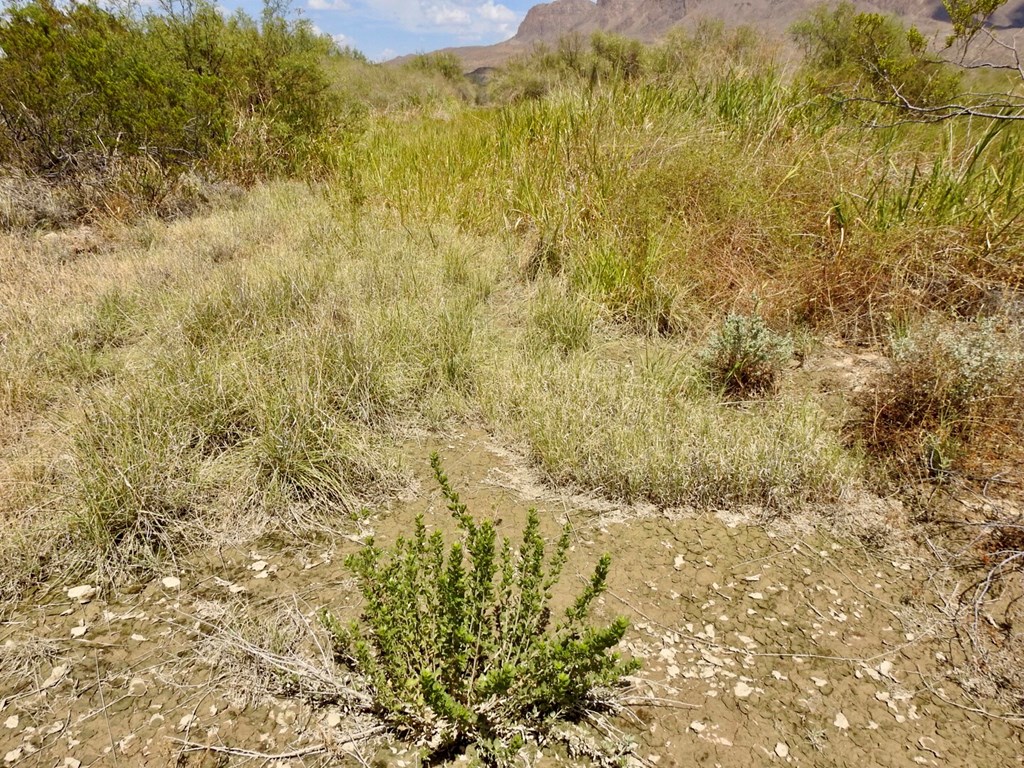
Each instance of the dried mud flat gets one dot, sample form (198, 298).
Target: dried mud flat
(762, 645)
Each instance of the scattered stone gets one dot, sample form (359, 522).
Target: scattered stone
(782, 750)
(79, 631)
(742, 690)
(56, 675)
(697, 727)
(82, 593)
(259, 565)
(819, 681)
(186, 722)
(139, 638)
(14, 754)
(137, 687)
(841, 722)
(11, 722)
(679, 562)
(235, 589)
(927, 743)
(171, 582)
(333, 720)
(71, 762)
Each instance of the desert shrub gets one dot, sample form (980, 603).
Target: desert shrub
(874, 55)
(118, 103)
(745, 357)
(457, 644)
(951, 391)
(448, 65)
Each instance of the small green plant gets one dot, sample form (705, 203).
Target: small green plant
(745, 357)
(458, 646)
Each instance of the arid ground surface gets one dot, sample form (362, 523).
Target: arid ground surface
(761, 644)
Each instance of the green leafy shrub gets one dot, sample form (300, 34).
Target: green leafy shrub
(123, 102)
(874, 55)
(745, 357)
(458, 647)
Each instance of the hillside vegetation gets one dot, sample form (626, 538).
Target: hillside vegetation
(618, 259)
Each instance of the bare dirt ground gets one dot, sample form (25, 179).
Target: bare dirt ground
(762, 643)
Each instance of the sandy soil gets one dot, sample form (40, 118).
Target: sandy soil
(762, 644)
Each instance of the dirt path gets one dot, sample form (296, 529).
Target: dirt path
(759, 647)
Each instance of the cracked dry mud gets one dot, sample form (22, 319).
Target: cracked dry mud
(761, 645)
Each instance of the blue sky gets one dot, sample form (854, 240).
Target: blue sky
(385, 28)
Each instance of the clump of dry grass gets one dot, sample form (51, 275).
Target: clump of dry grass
(643, 429)
(952, 400)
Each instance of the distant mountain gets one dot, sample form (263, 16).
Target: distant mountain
(648, 20)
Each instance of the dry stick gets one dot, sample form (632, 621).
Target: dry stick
(191, 746)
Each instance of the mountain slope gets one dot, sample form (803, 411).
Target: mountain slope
(649, 20)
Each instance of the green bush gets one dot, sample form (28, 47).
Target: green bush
(458, 648)
(745, 357)
(872, 55)
(83, 86)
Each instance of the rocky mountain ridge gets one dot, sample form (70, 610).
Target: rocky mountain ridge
(649, 20)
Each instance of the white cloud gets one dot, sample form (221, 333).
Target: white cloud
(469, 20)
(329, 5)
(447, 15)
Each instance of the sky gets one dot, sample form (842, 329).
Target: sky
(383, 29)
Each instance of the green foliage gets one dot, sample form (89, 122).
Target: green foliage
(457, 643)
(872, 55)
(82, 85)
(448, 65)
(969, 17)
(745, 357)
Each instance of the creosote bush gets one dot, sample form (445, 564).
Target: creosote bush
(745, 357)
(458, 644)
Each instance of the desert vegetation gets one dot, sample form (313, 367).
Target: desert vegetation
(225, 312)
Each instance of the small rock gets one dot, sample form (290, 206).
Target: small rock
(841, 722)
(679, 562)
(71, 762)
(57, 674)
(186, 722)
(14, 754)
(697, 727)
(137, 687)
(782, 750)
(171, 582)
(819, 681)
(79, 631)
(333, 720)
(742, 690)
(235, 589)
(11, 722)
(259, 565)
(82, 593)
